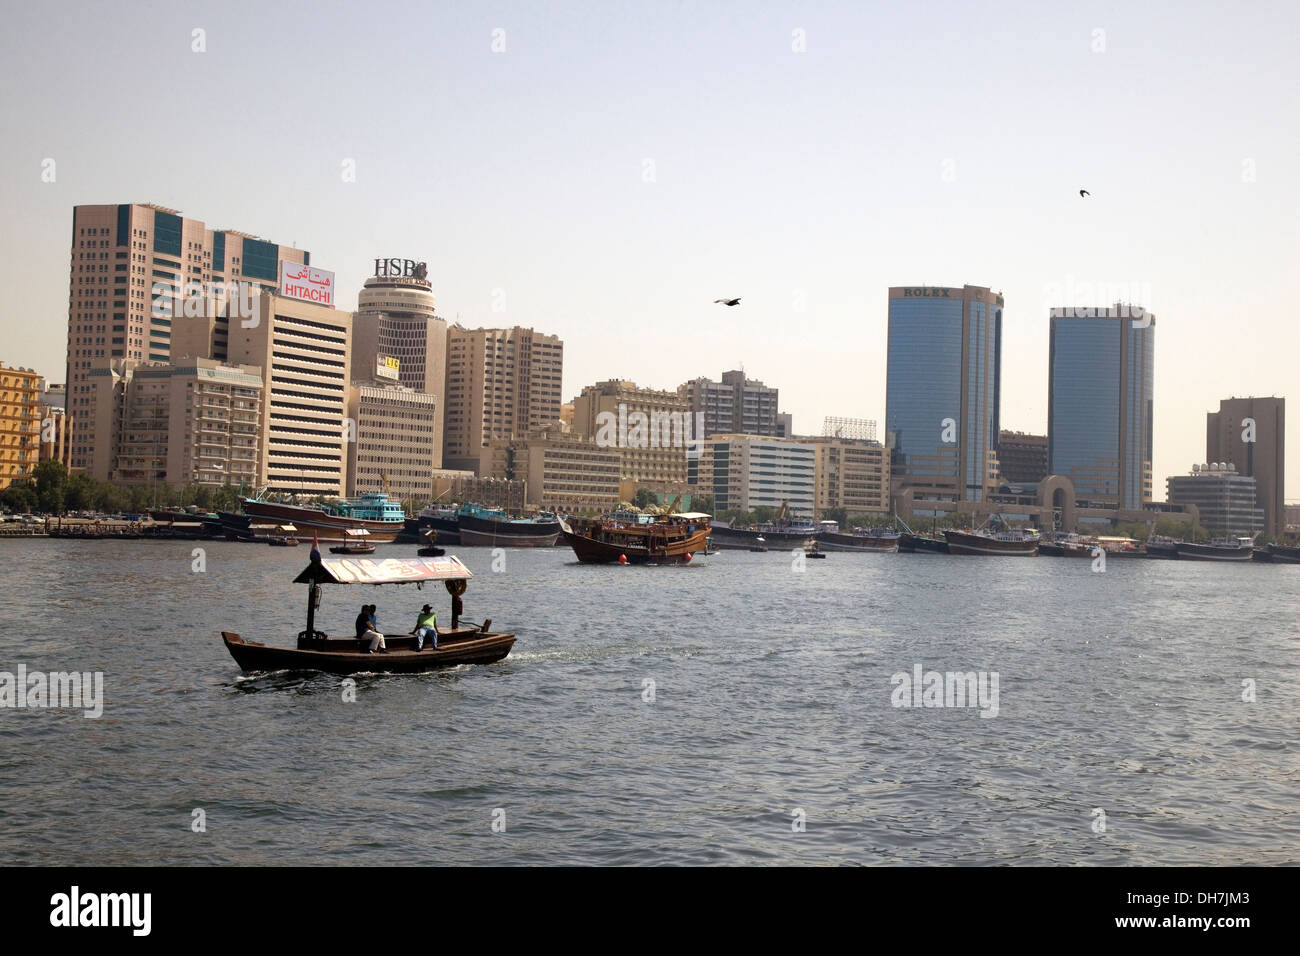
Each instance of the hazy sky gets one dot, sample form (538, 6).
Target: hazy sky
(618, 166)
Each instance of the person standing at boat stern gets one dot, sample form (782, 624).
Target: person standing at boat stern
(426, 625)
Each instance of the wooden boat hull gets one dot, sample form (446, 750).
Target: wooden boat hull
(328, 528)
(1190, 551)
(739, 539)
(831, 541)
(1284, 554)
(480, 532)
(339, 655)
(353, 549)
(431, 552)
(678, 551)
(961, 542)
(921, 544)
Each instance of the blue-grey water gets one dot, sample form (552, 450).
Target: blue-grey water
(771, 736)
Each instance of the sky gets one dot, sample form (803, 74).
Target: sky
(604, 171)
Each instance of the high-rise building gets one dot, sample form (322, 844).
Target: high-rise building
(736, 405)
(1022, 457)
(651, 428)
(197, 422)
(943, 392)
(395, 441)
(501, 383)
(121, 254)
(1250, 433)
(1101, 375)
(1225, 500)
(754, 471)
(396, 322)
(304, 350)
(20, 424)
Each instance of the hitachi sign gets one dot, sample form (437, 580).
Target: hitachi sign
(401, 269)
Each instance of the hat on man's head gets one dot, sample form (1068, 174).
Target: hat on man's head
(426, 609)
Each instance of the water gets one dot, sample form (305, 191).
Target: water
(772, 694)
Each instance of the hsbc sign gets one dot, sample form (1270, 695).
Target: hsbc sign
(401, 269)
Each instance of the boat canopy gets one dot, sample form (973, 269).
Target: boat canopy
(286, 527)
(356, 532)
(383, 571)
(690, 515)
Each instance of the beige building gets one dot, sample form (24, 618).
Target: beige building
(501, 383)
(396, 437)
(20, 424)
(735, 405)
(851, 474)
(652, 430)
(561, 472)
(193, 423)
(744, 472)
(121, 255)
(304, 350)
(56, 424)
(396, 330)
(1250, 434)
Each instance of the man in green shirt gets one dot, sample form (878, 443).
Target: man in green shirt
(426, 625)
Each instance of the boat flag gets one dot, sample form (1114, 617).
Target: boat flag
(315, 547)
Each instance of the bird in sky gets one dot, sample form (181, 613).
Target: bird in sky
(728, 301)
(1084, 192)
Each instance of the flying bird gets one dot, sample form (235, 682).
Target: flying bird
(728, 301)
(1084, 192)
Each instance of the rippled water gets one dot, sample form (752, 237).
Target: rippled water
(772, 694)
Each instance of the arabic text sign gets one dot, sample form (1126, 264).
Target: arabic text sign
(298, 281)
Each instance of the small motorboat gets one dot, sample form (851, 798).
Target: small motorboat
(760, 544)
(355, 543)
(317, 651)
(814, 553)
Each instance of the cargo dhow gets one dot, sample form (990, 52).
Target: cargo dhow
(381, 517)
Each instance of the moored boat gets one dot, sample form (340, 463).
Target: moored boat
(1066, 546)
(883, 540)
(315, 650)
(910, 543)
(491, 528)
(1220, 549)
(1023, 544)
(374, 511)
(1284, 554)
(668, 539)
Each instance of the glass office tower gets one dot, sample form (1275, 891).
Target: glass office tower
(943, 390)
(1100, 400)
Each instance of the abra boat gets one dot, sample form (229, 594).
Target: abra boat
(283, 537)
(667, 539)
(374, 511)
(357, 543)
(1220, 549)
(430, 550)
(317, 651)
(1019, 544)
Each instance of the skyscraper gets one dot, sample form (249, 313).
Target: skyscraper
(119, 253)
(395, 319)
(1250, 433)
(501, 383)
(943, 391)
(1100, 397)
